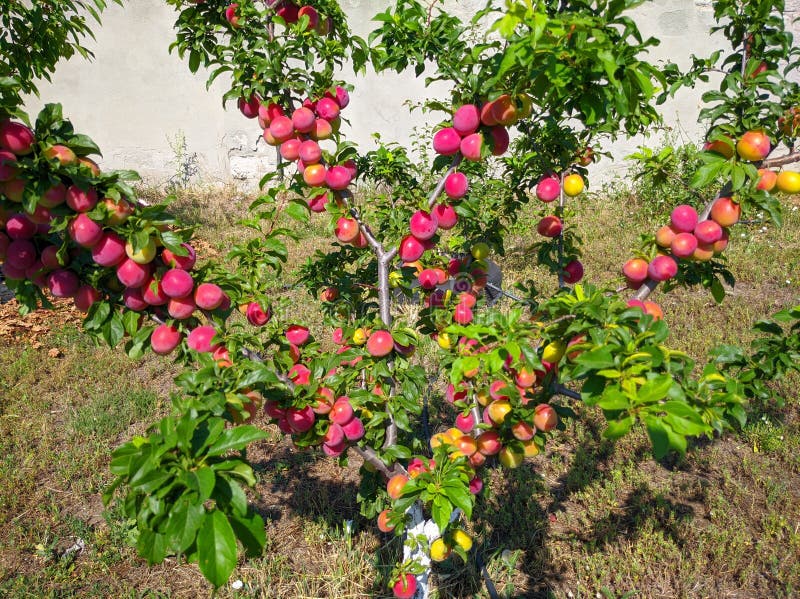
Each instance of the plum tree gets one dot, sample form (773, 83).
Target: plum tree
(72, 230)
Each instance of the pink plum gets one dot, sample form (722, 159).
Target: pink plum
(446, 141)
(132, 274)
(177, 283)
(446, 215)
(84, 231)
(109, 250)
(20, 254)
(200, 339)
(181, 308)
(63, 283)
(173, 260)
(86, 297)
(81, 200)
(208, 296)
(19, 226)
(472, 147)
(423, 225)
(466, 120)
(683, 218)
(164, 339)
(456, 185)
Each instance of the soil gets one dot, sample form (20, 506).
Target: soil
(5, 293)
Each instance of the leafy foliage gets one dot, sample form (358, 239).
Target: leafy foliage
(773, 355)
(508, 370)
(36, 36)
(184, 490)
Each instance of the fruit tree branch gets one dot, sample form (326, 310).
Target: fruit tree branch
(560, 214)
(789, 158)
(370, 457)
(562, 390)
(391, 433)
(646, 289)
(726, 191)
(384, 292)
(371, 240)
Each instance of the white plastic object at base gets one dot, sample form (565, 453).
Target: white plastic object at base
(419, 526)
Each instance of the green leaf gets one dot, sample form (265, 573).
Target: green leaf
(298, 211)
(663, 437)
(596, 359)
(83, 145)
(717, 290)
(206, 479)
(152, 546)
(173, 242)
(216, 547)
(460, 496)
(441, 510)
(113, 330)
(707, 173)
(194, 60)
(237, 468)
(150, 482)
(236, 438)
(654, 390)
(614, 399)
(684, 419)
(230, 493)
(130, 321)
(49, 116)
(658, 436)
(618, 428)
(249, 529)
(185, 519)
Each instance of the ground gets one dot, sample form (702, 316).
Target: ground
(587, 518)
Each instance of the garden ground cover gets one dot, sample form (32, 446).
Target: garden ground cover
(586, 517)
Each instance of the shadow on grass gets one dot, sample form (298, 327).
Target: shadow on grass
(523, 516)
(642, 507)
(291, 482)
(514, 526)
(301, 486)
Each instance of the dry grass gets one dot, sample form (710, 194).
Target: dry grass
(587, 518)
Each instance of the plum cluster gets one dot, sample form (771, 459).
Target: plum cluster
(147, 278)
(684, 238)
(331, 422)
(288, 11)
(475, 132)
(548, 189)
(297, 135)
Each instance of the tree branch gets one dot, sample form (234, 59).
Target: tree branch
(789, 158)
(562, 390)
(391, 434)
(369, 456)
(373, 242)
(560, 214)
(384, 291)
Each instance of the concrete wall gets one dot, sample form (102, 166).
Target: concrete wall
(135, 99)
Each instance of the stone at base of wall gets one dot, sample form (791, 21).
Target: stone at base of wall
(249, 156)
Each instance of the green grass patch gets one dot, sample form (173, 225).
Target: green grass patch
(587, 517)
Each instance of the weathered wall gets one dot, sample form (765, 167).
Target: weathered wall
(135, 99)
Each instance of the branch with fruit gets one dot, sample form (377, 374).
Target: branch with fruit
(70, 230)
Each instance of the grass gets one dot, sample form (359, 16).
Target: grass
(587, 518)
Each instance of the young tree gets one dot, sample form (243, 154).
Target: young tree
(510, 374)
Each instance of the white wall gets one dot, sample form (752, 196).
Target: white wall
(135, 97)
